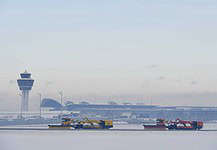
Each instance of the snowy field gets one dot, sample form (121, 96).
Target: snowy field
(110, 140)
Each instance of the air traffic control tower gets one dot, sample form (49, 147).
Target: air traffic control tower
(25, 85)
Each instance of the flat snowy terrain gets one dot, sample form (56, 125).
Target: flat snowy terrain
(108, 140)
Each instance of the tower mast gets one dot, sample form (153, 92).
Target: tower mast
(25, 84)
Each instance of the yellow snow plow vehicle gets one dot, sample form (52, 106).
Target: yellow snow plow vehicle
(68, 123)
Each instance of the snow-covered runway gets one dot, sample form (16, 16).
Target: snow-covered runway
(106, 140)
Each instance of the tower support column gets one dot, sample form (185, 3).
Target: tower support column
(25, 100)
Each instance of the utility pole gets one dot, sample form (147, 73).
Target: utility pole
(40, 103)
(61, 98)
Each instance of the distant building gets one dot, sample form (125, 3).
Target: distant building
(48, 103)
(112, 103)
(127, 104)
(84, 103)
(68, 103)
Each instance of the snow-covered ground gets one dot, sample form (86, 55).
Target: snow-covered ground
(110, 140)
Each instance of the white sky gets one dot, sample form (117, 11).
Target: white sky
(101, 49)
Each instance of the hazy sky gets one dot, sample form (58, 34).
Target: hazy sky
(124, 50)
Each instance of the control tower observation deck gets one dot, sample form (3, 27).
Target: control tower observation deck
(25, 85)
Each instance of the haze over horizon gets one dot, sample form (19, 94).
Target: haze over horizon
(124, 51)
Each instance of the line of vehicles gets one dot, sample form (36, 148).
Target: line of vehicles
(157, 125)
(161, 124)
(68, 123)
